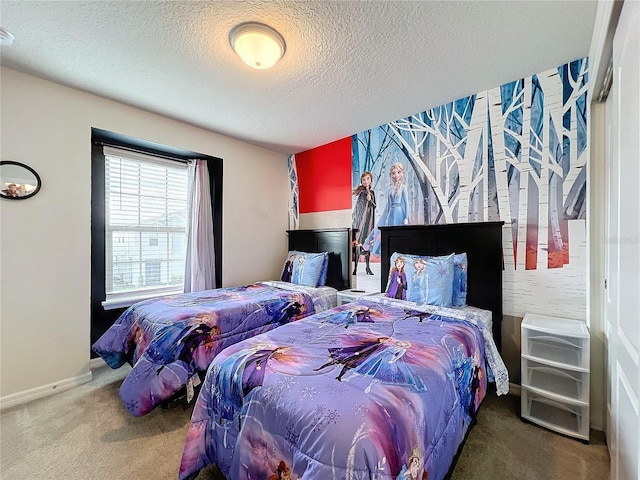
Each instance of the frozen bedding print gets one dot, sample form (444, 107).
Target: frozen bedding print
(169, 341)
(367, 390)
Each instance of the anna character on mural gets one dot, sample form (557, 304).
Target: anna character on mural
(396, 211)
(363, 218)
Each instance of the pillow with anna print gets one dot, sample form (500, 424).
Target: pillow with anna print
(397, 284)
(422, 280)
(303, 268)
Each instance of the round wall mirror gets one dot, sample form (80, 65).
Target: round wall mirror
(18, 181)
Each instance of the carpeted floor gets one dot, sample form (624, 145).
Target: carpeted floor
(85, 433)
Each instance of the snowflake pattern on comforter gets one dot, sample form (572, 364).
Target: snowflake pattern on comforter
(366, 390)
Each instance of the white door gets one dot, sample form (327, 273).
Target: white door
(622, 304)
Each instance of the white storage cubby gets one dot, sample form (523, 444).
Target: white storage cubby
(555, 374)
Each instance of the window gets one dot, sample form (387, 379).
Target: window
(104, 314)
(145, 226)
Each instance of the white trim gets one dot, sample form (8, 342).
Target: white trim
(600, 48)
(43, 391)
(97, 363)
(126, 301)
(515, 389)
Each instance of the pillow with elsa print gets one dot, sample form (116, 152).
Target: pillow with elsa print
(303, 268)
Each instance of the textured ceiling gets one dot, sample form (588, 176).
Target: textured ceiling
(349, 65)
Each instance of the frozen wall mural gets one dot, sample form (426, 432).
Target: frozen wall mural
(515, 153)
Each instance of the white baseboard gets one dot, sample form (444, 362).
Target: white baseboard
(43, 391)
(514, 389)
(96, 363)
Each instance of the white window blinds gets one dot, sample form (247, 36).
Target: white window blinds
(145, 226)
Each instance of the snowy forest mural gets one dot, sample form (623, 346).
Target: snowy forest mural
(516, 153)
(294, 212)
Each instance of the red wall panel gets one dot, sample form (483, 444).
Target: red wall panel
(324, 177)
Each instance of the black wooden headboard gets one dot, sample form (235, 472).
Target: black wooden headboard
(336, 241)
(481, 241)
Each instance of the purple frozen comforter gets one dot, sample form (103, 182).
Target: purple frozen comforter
(170, 339)
(363, 391)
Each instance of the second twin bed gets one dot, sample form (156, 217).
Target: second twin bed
(379, 388)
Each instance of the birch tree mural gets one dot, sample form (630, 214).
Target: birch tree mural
(370, 152)
(294, 211)
(515, 153)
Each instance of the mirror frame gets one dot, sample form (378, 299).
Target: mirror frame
(26, 167)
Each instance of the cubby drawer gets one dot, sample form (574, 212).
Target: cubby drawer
(565, 383)
(559, 349)
(562, 417)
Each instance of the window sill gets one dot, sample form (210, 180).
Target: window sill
(122, 302)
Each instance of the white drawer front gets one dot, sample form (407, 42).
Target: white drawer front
(572, 384)
(562, 417)
(569, 351)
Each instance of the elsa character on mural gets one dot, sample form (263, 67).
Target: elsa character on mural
(396, 211)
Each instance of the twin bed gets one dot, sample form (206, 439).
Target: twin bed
(170, 341)
(378, 388)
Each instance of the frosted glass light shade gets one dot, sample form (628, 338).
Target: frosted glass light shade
(258, 45)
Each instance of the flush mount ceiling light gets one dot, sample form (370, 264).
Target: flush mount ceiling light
(258, 45)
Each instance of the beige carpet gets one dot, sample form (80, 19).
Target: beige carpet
(85, 433)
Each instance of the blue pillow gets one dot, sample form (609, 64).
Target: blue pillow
(460, 267)
(440, 280)
(303, 268)
(323, 273)
(421, 279)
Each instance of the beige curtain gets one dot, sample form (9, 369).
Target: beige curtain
(200, 261)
